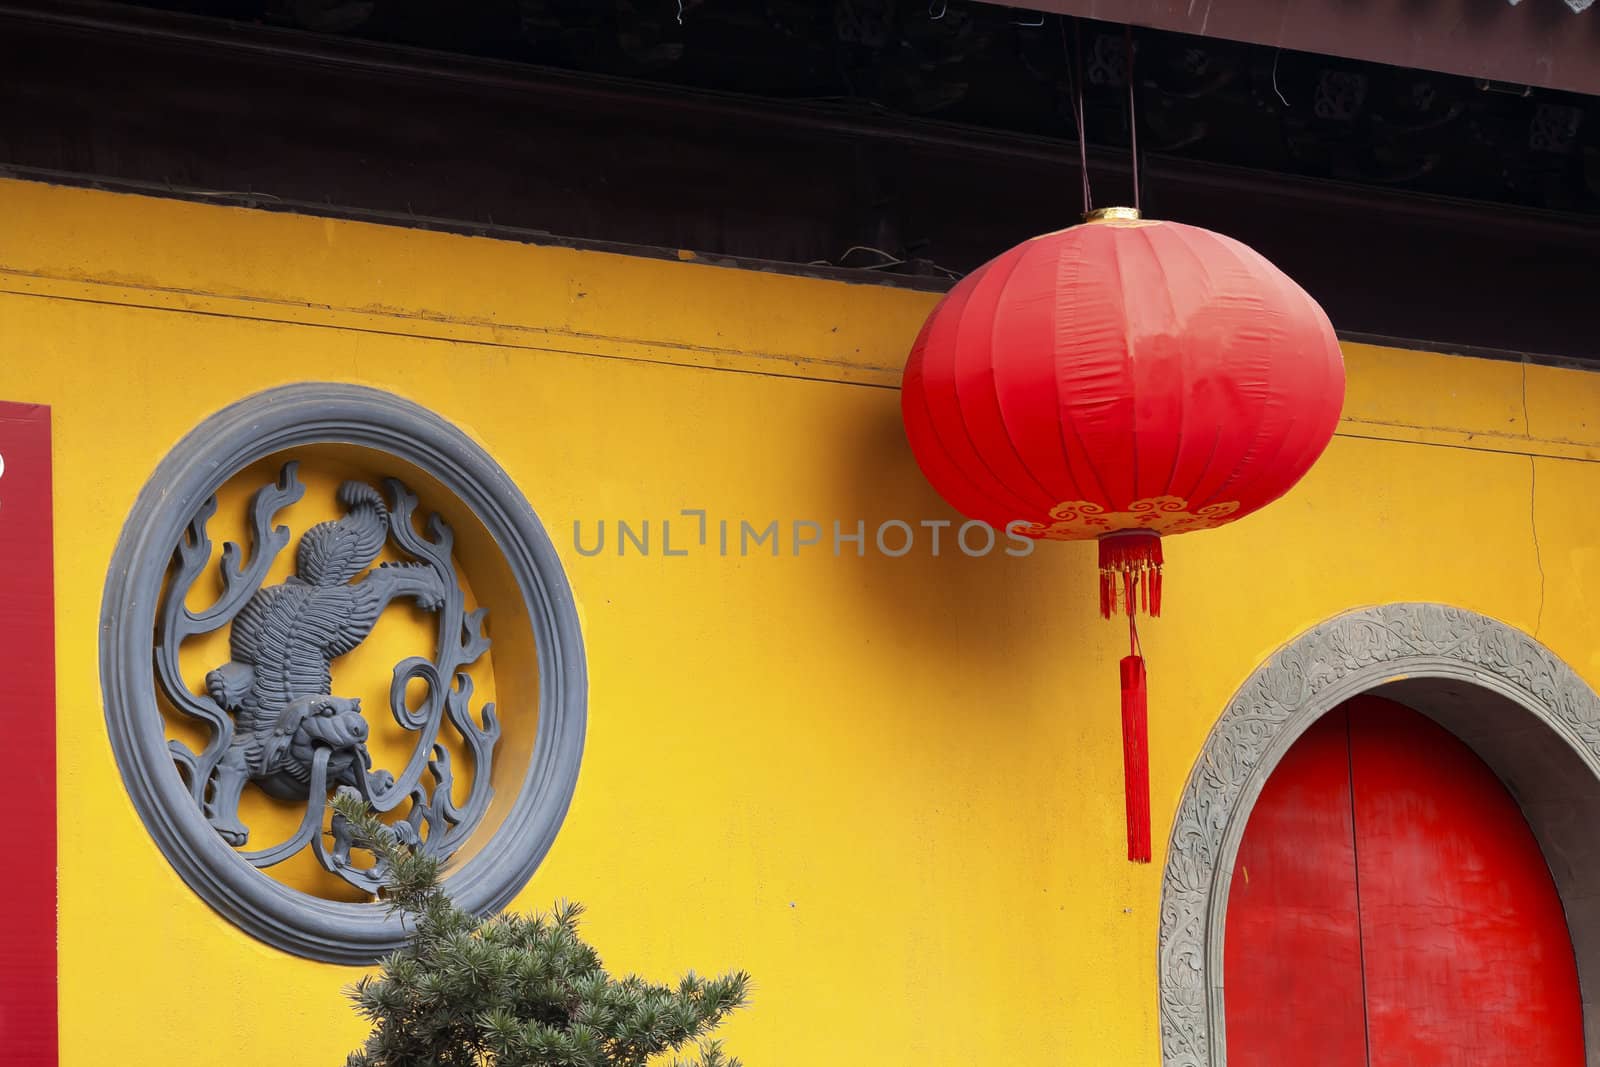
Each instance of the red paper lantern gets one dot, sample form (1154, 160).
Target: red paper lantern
(1122, 380)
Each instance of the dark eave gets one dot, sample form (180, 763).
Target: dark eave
(1548, 44)
(283, 119)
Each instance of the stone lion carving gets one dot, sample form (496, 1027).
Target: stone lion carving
(273, 716)
(278, 683)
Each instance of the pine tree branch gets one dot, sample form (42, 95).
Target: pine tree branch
(513, 990)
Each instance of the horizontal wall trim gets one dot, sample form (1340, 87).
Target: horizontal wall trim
(262, 201)
(1470, 440)
(538, 339)
(256, 200)
(438, 328)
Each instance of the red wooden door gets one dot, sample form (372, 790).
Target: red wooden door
(1391, 908)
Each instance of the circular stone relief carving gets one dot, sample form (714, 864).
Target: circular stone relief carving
(308, 598)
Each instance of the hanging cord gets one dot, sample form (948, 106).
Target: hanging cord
(1075, 85)
(1133, 115)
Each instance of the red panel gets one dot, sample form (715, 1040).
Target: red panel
(1468, 959)
(27, 718)
(1292, 954)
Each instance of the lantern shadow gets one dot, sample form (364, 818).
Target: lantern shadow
(974, 604)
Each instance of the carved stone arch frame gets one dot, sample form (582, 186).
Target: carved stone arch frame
(1522, 709)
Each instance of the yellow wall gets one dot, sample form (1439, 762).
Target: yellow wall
(889, 788)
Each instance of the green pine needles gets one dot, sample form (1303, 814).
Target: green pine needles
(514, 990)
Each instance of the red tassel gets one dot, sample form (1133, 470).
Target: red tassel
(1130, 572)
(1136, 757)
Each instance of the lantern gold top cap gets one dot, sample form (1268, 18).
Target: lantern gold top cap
(1112, 214)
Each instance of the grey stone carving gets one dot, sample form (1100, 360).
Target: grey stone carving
(290, 734)
(269, 713)
(1397, 645)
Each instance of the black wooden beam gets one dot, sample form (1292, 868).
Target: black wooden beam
(98, 93)
(1542, 43)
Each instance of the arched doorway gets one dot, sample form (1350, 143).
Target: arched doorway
(1390, 906)
(1517, 705)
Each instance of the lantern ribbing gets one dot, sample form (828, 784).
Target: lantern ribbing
(1122, 380)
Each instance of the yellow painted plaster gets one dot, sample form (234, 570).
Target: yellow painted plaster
(890, 788)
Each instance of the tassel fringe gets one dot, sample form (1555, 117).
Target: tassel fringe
(1130, 573)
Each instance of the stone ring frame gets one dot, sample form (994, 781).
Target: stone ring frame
(1524, 711)
(230, 440)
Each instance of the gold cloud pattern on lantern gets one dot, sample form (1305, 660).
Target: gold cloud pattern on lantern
(1078, 520)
